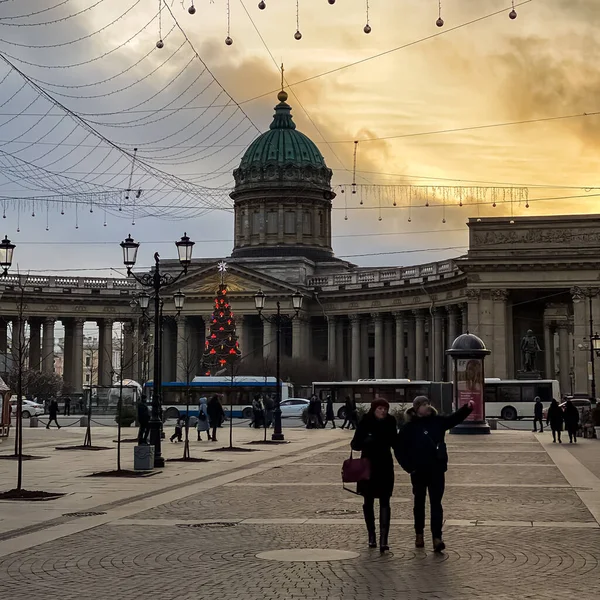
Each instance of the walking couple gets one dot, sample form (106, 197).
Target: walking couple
(420, 449)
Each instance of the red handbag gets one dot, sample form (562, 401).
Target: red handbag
(355, 470)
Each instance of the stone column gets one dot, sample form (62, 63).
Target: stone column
(105, 352)
(48, 346)
(364, 348)
(269, 350)
(419, 344)
(340, 353)
(548, 351)
(298, 338)
(400, 349)
(241, 330)
(331, 345)
(464, 318)
(411, 347)
(355, 323)
(35, 344)
(169, 350)
(378, 321)
(438, 346)
(452, 335)
(182, 354)
(68, 352)
(388, 349)
(471, 321)
(580, 335)
(564, 352)
(499, 337)
(128, 350)
(486, 326)
(78, 355)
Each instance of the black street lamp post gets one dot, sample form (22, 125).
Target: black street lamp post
(594, 340)
(259, 302)
(157, 281)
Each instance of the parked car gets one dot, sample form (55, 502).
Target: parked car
(29, 409)
(293, 407)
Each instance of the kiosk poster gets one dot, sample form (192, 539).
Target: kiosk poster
(469, 373)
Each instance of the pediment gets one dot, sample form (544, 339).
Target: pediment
(239, 280)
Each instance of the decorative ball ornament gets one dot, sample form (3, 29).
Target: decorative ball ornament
(331, 1)
(160, 44)
(298, 35)
(367, 28)
(262, 5)
(440, 22)
(513, 14)
(192, 10)
(228, 41)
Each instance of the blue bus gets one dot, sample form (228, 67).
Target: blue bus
(239, 393)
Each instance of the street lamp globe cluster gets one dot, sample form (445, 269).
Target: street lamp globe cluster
(156, 281)
(259, 303)
(6, 255)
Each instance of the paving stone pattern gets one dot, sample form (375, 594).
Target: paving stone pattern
(169, 561)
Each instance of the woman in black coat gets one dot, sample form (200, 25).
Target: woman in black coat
(216, 415)
(555, 419)
(375, 437)
(329, 412)
(571, 421)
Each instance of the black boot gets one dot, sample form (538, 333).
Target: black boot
(369, 514)
(385, 515)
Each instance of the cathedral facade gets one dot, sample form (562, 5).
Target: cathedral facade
(518, 274)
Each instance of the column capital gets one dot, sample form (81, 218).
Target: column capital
(473, 294)
(377, 317)
(562, 325)
(452, 309)
(418, 314)
(79, 321)
(49, 320)
(355, 317)
(436, 312)
(399, 314)
(500, 295)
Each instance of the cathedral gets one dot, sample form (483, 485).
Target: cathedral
(519, 274)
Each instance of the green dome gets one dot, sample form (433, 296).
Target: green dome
(282, 145)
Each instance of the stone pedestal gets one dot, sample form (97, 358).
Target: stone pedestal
(529, 375)
(143, 458)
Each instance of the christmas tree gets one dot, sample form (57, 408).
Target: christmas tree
(221, 347)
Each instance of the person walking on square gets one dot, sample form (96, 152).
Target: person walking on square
(375, 437)
(329, 412)
(571, 421)
(348, 413)
(538, 415)
(143, 419)
(52, 413)
(67, 411)
(269, 406)
(216, 415)
(421, 452)
(202, 424)
(555, 419)
(178, 429)
(257, 412)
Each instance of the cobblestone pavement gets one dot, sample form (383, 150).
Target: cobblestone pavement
(506, 479)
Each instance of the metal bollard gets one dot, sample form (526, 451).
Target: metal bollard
(493, 423)
(83, 421)
(33, 421)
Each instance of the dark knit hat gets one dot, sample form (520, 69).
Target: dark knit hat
(420, 401)
(380, 402)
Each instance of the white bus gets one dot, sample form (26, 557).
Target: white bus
(507, 399)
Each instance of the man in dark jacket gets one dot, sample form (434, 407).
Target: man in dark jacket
(538, 415)
(143, 419)
(53, 413)
(421, 451)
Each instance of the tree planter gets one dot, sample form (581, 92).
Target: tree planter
(597, 430)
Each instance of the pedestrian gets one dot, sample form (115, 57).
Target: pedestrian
(179, 425)
(311, 412)
(269, 406)
(538, 415)
(347, 413)
(257, 412)
(67, 411)
(421, 452)
(216, 415)
(571, 421)
(329, 412)
(143, 419)
(555, 419)
(375, 437)
(202, 424)
(52, 413)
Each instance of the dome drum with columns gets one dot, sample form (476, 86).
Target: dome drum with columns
(282, 196)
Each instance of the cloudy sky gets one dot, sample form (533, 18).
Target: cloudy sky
(83, 84)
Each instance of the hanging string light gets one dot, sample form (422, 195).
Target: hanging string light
(160, 44)
(440, 21)
(228, 40)
(192, 9)
(298, 35)
(354, 167)
(367, 27)
(513, 13)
